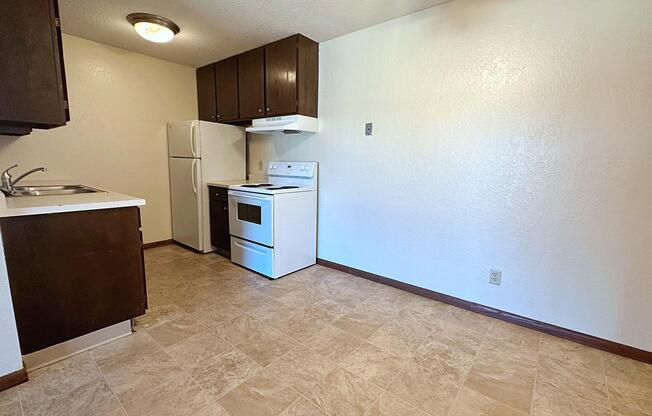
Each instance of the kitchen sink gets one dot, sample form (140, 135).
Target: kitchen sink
(45, 190)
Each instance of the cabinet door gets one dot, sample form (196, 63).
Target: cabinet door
(32, 81)
(220, 237)
(206, 93)
(226, 84)
(251, 84)
(73, 273)
(281, 77)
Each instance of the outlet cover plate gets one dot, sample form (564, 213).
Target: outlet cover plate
(495, 276)
(368, 129)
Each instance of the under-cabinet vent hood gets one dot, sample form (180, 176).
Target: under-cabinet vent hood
(295, 124)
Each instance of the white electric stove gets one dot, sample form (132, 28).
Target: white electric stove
(273, 224)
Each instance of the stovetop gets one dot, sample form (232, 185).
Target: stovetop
(269, 188)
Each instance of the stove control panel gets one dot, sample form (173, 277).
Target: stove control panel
(294, 169)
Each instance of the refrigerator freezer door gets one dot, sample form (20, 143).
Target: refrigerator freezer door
(184, 139)
(186, 198)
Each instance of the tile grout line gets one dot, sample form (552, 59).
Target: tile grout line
(235, 347)
(97, 366)
(189, 374)
(576, 397)
(20, 402)
(536, 376)
(475, 357)
(408, 361)
(606, 384)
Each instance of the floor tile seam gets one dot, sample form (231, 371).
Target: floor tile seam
(107, 383)
(495, 400)
(20, 403)
(466, 376)
(406, 360)
(192, 377)
(398, 374)
(536, 376)
(206, 330)
(345, 401)
(271, 375)
(606, 385)
(337, 365)
(302, 396)
(18, 388)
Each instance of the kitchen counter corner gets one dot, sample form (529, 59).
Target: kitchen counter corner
(51, 204)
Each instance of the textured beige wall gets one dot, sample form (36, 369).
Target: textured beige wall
(116, 139)
(508, 134)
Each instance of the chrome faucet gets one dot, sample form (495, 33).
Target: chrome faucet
(7, 184)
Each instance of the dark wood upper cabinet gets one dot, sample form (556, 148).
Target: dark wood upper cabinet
(226, 84)
(207, 107)
(291, 76)
(32, 78)
(307, 76)
(281, 76)
(277, 79)
(251, 83)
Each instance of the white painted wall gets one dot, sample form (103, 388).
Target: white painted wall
(120, 103)
(508, 134)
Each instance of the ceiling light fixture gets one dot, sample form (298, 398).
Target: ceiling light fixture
(152, 27)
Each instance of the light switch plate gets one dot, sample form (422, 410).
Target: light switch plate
(368, 128)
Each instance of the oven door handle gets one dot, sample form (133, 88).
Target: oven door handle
(250, 195)
(244, 247)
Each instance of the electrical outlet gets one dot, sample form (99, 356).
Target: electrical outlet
(495, 276)
(260, 165)
(368, 127)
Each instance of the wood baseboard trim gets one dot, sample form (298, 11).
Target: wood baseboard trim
(13, 379)
(157, 244)
(584, 339)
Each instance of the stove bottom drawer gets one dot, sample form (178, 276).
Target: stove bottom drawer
(252, 256)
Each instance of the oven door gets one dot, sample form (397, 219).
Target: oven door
(250, 217)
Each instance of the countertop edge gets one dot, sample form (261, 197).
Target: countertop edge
(56, 209)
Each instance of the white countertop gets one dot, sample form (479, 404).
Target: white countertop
(225, 183)
(34, 205)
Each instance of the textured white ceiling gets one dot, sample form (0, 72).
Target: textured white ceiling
(215, 29)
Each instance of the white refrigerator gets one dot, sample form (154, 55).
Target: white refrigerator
(200, 151)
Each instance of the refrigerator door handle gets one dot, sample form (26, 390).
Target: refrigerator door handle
(192, 139)
(194, 174)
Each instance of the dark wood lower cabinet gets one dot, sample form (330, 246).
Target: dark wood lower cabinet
(219, 208)
(73, 273)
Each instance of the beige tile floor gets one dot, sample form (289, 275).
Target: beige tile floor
(219, 340)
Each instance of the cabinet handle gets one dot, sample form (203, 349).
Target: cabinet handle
(212, 117)
(218, 116)
(267, 108)
(226, 208)
(260, 110)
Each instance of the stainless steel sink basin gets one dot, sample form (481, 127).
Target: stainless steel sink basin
(44, 190)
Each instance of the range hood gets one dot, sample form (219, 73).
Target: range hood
(295, 124)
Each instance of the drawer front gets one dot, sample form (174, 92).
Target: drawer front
(252, 256)
(220, 194)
